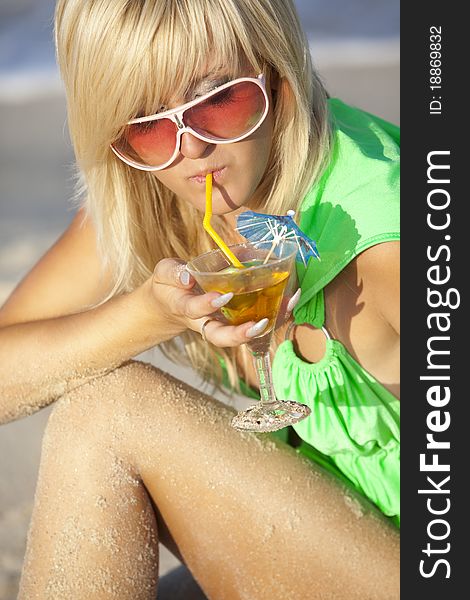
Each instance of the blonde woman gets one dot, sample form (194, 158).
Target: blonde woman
(131, 456)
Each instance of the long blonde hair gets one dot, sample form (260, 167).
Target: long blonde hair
(121, 58)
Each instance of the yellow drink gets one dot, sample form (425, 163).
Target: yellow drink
(254, 298)
(257, 304)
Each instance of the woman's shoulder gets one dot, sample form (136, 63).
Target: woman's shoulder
(363, 169)
(363, 145)
(356, 203)
(363, 128)
(362, 177)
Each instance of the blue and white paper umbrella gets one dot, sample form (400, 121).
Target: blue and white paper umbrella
(258, 227)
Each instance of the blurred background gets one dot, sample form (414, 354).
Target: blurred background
(355, 47)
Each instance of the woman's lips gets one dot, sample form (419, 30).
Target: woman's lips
(216, 175)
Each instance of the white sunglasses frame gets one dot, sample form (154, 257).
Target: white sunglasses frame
(176, 115)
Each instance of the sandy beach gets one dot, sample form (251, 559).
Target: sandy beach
(35, 192)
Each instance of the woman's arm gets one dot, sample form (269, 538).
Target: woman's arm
(50, 343)
(41, 360)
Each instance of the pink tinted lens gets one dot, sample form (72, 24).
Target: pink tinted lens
(150, 143)
(229, 114)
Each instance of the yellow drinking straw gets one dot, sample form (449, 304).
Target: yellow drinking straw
(208, 227)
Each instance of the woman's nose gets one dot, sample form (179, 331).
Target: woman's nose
(193, 147)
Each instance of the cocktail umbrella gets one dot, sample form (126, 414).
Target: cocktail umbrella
(258, 227)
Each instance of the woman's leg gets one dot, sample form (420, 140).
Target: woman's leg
(93, 530)
(251, 518)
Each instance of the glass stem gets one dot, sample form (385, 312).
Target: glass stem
(262, 362)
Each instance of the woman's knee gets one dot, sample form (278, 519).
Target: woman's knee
(105, 394)
(92, 409)
(115, 407)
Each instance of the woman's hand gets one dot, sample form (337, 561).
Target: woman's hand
(183, 308)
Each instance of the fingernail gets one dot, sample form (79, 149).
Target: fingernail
(257, 328)
(221, 300)
(293, 301)
(184, 277)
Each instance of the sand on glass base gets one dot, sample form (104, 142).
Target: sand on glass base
(269, 414)
(258, 290)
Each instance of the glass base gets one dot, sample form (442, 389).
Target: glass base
(270, 417)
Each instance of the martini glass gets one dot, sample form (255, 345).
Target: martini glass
(257, 290)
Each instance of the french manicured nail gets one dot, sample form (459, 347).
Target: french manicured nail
(184, 277)
(222, 300)
(293, 301)
(257, 328)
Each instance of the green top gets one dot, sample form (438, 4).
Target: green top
(353, 430)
